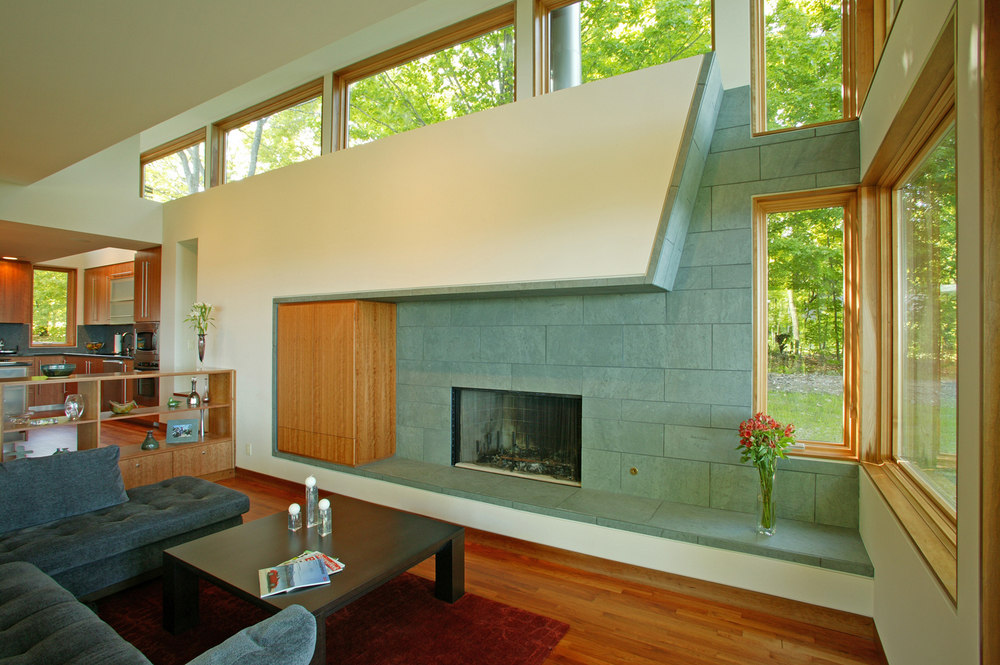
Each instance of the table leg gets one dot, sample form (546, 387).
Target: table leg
(319, 654)
(180, 597)
(449, 569)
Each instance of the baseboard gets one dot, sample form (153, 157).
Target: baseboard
(844, 622)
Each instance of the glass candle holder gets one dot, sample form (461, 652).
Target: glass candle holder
(312, 498)
(294, 517)
(325, 517)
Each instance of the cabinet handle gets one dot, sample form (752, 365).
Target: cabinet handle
(203, 452)
(137, 465)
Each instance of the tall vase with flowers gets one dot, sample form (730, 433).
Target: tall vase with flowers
(200, 318)
(762, 441)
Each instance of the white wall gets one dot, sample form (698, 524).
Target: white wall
(98, 195)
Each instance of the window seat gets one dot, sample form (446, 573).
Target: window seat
(831, 547)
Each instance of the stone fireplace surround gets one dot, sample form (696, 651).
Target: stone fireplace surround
(665, 376)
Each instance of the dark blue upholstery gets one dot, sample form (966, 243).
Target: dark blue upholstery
(88, 552)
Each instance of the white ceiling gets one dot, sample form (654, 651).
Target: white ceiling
(77, 77)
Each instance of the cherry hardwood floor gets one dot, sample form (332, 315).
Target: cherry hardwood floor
(615, 620)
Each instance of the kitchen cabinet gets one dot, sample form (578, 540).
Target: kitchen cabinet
(16, 287)
(44, 393)
(212, 456)
(108, 294)
(95, 296)
(146, 302)
(336, 380)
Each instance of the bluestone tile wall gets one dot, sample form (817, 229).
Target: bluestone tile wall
(665, 377)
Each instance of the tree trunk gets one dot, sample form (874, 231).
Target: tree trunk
(255, 146)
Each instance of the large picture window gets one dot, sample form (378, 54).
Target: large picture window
(590, 40)
(805, 317)
(926, 328)
(53, 315)
(455, 72)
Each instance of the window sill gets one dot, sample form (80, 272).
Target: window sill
(934, 535)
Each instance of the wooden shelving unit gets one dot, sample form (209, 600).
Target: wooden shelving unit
(212, 456)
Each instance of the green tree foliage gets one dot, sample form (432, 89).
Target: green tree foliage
(469, 77)
(51, 295)
(288, 136)
(175, 175)
(805, 282)
(619, 36)
(804, 62)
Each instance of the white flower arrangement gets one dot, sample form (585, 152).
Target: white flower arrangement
(200, 317)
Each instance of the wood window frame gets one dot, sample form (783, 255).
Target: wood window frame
(70, 308)
(463, 31)
(167, 149)
(845, 197)
(925, 114)
(863, 36)
(276, 104)
(543, 39)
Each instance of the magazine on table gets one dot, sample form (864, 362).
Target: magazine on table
(332, 565)
(292, 576)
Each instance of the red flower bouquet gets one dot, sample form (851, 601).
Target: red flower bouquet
(762, 441)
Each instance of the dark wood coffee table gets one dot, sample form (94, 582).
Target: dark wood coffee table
(374, 543)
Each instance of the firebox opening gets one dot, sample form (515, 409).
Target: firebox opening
(531, 435)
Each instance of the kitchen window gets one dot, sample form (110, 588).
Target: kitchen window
(806, 318)
(596, 39)
(281, 131)
(462, 69)
(174, 169)
(53, 315)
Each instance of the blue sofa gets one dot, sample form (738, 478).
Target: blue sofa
(43, 624)
(70, 516)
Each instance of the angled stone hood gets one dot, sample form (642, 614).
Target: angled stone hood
(588, 189)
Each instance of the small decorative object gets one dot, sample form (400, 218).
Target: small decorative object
(74, 406)
(200, 319)
(121, 408)
(58, 369)
(38, 422)
(172, 403)
(194, 400)
(312, 498)
(20, 452)
(149, 443)
(20, 419)
(60, 451)
(294, 517)
(204, 395)
(762, 441)
(182, 431)
(94, 347)
(325, 517)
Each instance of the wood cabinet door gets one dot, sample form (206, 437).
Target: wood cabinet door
(46, 393)
(147, 284)
(97, 291)
(146, 469)
(16, 286)
(315, 380)
(204, 459)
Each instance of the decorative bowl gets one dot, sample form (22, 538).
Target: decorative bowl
(122, 408)
(94, 346)
(20, 419)
(59, 369)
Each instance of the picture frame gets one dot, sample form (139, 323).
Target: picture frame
(186, 430)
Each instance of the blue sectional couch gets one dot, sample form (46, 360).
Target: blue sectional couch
(70, 516)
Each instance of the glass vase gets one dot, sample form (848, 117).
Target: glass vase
(74, 406)
(767, 515)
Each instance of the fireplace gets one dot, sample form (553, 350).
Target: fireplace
(531, 435)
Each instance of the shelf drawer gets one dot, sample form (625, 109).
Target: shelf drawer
(146, 469)
(201, 460)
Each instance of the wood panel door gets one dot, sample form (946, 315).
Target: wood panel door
(315, 380)
(96, 295)
(16, 286)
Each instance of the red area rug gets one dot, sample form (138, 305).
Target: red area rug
(399, 623)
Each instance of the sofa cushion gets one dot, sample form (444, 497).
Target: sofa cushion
(40, 622)
(38, 490)
(153, 513)
(288, 637)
